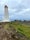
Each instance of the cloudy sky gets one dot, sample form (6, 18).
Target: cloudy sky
(18, 9)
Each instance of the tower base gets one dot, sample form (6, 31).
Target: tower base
(6, 21)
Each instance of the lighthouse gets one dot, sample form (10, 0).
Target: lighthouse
(6, 14)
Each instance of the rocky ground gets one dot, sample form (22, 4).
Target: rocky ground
(11, 34)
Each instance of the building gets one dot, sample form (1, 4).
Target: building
(6, 15)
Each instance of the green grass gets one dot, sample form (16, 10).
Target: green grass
(23, 28)
(6, 26)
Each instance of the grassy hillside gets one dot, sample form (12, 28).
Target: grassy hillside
(22, 27)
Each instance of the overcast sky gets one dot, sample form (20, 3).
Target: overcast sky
(18, 9)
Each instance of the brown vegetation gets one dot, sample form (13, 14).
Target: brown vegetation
(10, 34)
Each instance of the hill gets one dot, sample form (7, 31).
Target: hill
(19, 29)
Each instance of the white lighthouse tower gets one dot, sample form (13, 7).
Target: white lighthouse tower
(6, 15)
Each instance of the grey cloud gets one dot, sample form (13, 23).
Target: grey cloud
(14, 5)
